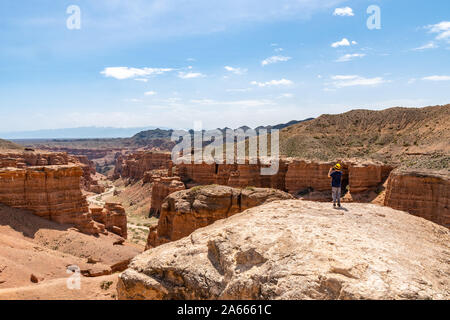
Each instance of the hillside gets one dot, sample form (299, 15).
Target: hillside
(412, 137)
(8, 145)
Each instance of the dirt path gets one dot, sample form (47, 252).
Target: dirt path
(93, 199)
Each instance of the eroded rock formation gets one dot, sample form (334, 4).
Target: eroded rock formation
(49, 184)
(52, 192)
(88, 183)
(113, 217)
(299, 250)
(421, 193)
(233, 175)
(162, 187)
(183, 212)
(135, 165)
(24, 159)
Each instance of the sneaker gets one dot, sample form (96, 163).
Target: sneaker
(334, 205)
(339, 205)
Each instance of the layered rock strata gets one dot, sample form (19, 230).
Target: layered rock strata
(421, 193)
(134, 166)
(51, 192)
(162, 187)
(184, 211)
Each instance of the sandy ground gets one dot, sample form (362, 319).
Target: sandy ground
(98, 288)
(30, 245)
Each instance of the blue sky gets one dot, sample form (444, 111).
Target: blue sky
(226, 63)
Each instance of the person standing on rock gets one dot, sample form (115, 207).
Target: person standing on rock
(335, 174)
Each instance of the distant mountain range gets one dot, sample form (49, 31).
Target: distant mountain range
(76, 133)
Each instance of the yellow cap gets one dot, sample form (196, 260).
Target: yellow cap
(337, 166)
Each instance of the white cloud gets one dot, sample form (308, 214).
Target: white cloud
(346, 11)
(437, 78)
(190, 75)
(442, 29)
(275, 59)
(122, 73)
(286, 95)
(429, 45)
(141, 79)
(348, 57)
(342, 81)
(150, 93)
(282, 82)
(343, 43)
(235, 70)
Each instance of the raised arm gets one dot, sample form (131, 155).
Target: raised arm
(329, 172)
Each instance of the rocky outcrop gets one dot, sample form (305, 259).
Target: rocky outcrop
(366, 176)
(51, 192)
(162, 187)
(299, 250)
(296, 176)
(90, 153)
(113, 217)
(233, 175)
(135, 165)
(88, 182)
(303, 176)
(183, 212)
(24, 159)
(421, 193)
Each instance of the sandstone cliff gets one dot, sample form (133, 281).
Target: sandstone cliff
(136, 164)
(162, 187)
(185, 211)
(113, 217)
(422, 193)
(299, 250)
(52, 192)
(233, 175)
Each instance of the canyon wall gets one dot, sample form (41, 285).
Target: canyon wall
(233, 175)
(39, 158)
(51, 192)
(135, 165)
(87, 182)
(184, 211)
(294, 175)
(162, 187)
(24, 159)
(90, 153)
(420, 193)
(49, 185)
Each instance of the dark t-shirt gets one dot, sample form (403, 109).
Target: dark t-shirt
(336, 179)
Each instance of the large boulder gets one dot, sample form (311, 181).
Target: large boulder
(184, 211)
(299, 250)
